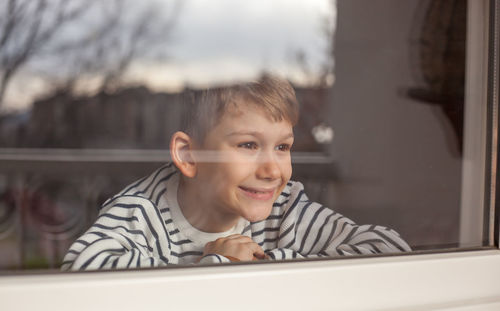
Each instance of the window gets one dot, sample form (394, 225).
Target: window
(397, 108)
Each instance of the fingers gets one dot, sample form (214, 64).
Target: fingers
(254, 247)
(257, 250)
(236, 246)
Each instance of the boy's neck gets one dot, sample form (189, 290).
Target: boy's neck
(200, 213)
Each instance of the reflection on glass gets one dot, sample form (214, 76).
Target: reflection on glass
(91, 93)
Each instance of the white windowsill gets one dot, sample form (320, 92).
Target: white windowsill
(446, 281)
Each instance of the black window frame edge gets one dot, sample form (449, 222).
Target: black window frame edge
(491, 233)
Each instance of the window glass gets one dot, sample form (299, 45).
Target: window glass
(392, 131)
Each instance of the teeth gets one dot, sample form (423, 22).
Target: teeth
(253, 191)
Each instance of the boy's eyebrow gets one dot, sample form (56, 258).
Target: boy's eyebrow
(255, 133)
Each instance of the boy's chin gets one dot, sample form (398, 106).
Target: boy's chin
(258, 216)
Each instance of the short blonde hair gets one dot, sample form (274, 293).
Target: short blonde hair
(275, 96)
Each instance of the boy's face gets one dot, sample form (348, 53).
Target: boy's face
(253, 168)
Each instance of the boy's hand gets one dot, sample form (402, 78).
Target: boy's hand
(236, 246)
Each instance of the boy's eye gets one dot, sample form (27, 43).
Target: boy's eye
(283, 147)
(248, 145)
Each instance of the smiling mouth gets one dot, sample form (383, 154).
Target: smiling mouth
(258, 193)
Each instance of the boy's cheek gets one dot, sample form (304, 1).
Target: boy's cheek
(280, 190)
(288, 171)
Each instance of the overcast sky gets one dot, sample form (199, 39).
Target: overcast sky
(221, 40)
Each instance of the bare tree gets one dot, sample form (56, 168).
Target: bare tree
(27, 26)
(113, 43)
(79, 39)
(147, 31)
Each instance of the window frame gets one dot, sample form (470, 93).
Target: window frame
(446, 281)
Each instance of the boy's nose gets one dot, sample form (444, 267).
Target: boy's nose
(268, 169)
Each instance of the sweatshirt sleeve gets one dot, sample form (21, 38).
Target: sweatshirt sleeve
(309, 229)
(129, 233)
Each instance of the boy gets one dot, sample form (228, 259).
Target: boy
(226, 196)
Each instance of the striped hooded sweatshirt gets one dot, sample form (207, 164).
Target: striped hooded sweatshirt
(143, 226)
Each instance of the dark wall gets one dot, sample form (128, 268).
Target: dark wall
(397, 156)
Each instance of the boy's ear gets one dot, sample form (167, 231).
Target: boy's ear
(181, 151)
